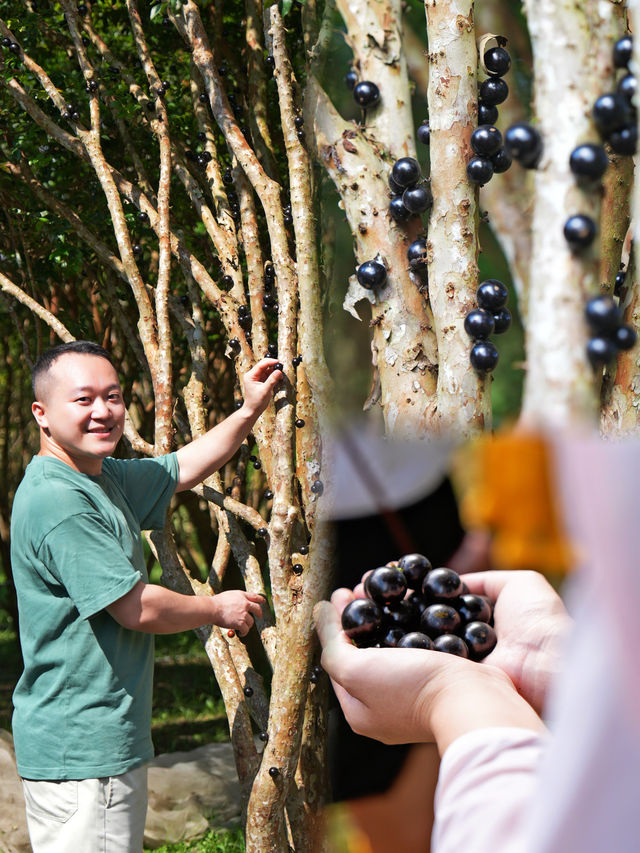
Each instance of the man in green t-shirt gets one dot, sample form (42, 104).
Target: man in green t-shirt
(82, 719)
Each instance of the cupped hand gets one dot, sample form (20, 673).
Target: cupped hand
(531, 623)
(236, 609)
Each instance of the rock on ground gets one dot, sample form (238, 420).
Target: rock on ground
(189, 793)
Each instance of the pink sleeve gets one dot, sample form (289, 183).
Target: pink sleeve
(487, 781)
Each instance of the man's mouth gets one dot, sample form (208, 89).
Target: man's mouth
(101, 430)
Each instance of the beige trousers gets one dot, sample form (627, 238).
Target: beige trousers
(90, 815)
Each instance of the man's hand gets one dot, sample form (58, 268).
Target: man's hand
(258, 385)
(236, 609)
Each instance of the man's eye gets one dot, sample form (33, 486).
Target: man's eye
(82, 399)
(116, 397)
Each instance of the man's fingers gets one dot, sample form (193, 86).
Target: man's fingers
(341, 597)
(327, 622)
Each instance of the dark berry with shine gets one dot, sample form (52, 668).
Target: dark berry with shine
(610, 112)
(619, 282)
(248, 691)
(303, 549)
(392, 637)
(442, 585)
(497, 61)
(602, 314)
(299, 423)
(492, 295)
(474, 608)
(417, 253)
(480, 639)
(486, 140)
(268, 495)
(400, 614)
(366, 94)
(524, 144)
(588, 161)
(262, 532)
(415, 567)
(624, 140)
(480, 170)
(423, 133)
(415, 640)
(627, 87)
(274, 772)
(501, 321)
(479, 324)
(622, 52)
(5, 42)
(452, 645)
(625, 337)
(439, 619)
(397, 211)
(14, 47)
(494, 91)
(487, 113)
(351, 78)
(406, 172)
(297, 568)
(385, 584)
(601, 351)
(317, 487)
(483, 356)
(371, 274)
(501, 161)
(417, 199)
(361, 620)
(579, 231)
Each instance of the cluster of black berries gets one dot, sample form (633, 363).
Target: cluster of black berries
(491, 317)
(269, 299)
(609, 333)
(365, 93)
(438, 613)
(12, 46)
(411, 195)
(490, 156)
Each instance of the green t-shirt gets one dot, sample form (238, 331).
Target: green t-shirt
(83, 702)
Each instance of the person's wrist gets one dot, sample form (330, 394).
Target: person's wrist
(480, 699)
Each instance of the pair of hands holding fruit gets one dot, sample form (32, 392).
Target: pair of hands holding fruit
(406, 695)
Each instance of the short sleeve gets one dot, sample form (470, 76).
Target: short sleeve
(87, 559)
(149, 484)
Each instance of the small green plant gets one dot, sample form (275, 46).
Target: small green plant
(220, 841)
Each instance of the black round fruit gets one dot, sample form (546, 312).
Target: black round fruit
(415, 640)
(619, 282)
(588, 161)
(366, 94)
(474, 608)
(601, 351)
(400, 614)
(417, 199)
(602, 314)
(439, 619)
(361, 620)
(317, 488)
(14, 47)
(397, 211)
(274, 772)
(268, 495)
(297, 568)
(625, 337)
(299, 423)
(264, 737)
(501, 321)
(451, 644)
(624, 140)
(501, 161)
(622, 52)
(385, 585)
(442, 585)
(627, 87)
(497, 61)
(494, 91)
(393, 636)
(483, 356)
(480, 639)
(579, 231)
(610, 112)
(487, 113)
(492, 295)
(371, 274)
(5, 42)
(480, 170)
(479, 324)
(303, 549)
(423, 133)
(351, 78)
(524, 144)
(417, 253)
(486, 140)
(248, 691)
(406, 172)
(415, 567)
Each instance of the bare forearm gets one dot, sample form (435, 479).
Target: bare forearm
(154, 609)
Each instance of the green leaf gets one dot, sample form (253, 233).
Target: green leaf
(286, 7)
(156, 10)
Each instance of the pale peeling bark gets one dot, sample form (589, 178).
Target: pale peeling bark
(463, 398)
(572, 49)
(404, 344)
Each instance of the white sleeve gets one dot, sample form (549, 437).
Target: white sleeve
(487, 781)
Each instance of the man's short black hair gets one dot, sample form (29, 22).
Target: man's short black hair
(49, 356)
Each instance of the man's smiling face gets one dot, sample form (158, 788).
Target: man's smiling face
(80, 411)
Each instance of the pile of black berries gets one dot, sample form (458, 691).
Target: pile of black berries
(411, 605)
(490, 156)
(609, 333)
(491, 317)
(411, 195)
(614, 113)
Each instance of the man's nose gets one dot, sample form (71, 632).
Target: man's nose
(100, 407)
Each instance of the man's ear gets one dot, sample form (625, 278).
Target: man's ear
(39, 413)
